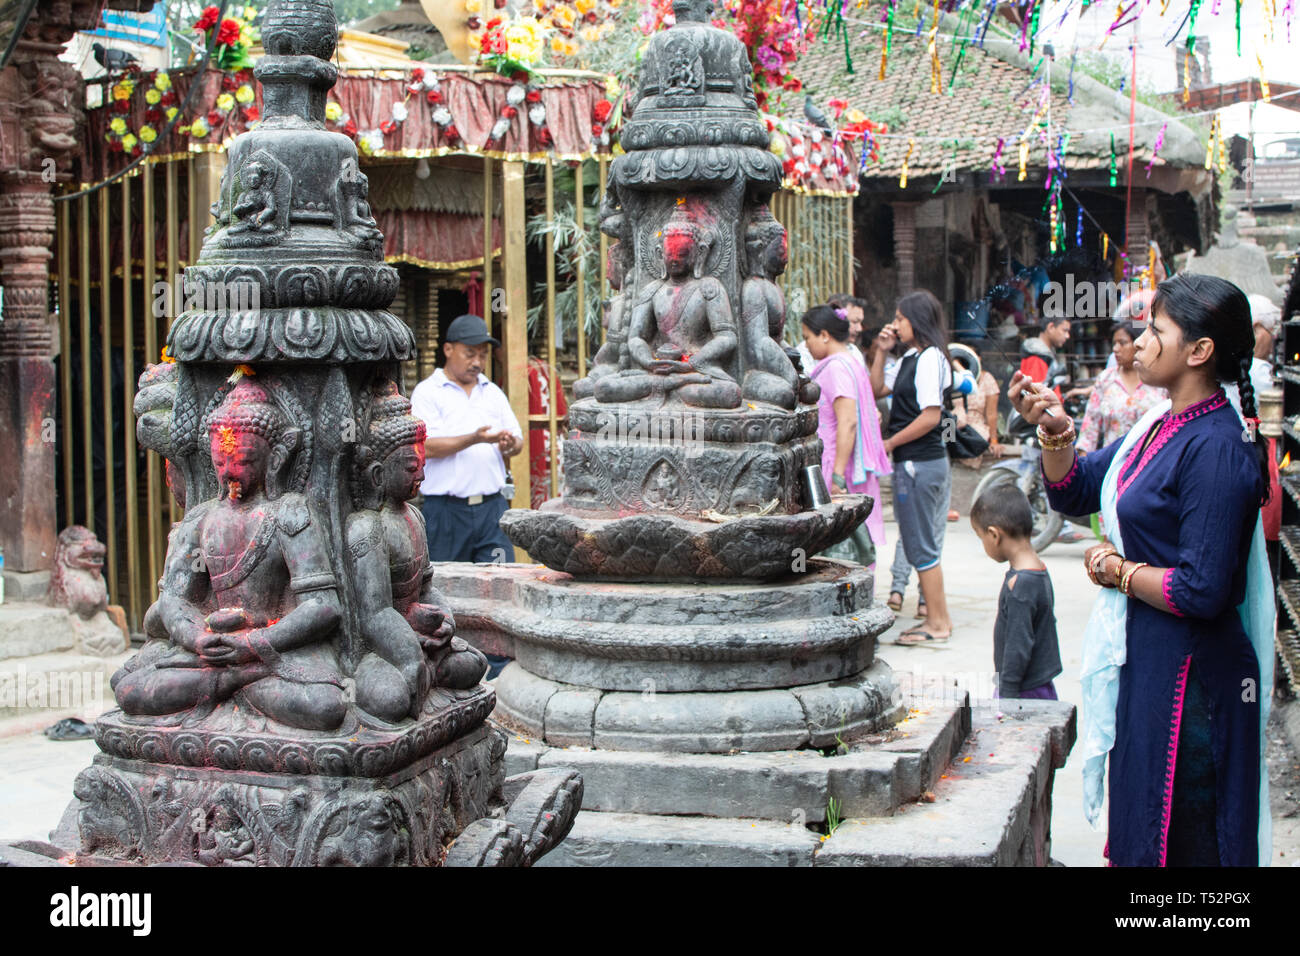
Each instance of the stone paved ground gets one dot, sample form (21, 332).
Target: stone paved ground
(36, 775)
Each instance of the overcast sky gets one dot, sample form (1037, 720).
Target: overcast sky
(1156, 60)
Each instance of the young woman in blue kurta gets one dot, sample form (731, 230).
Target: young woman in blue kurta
(1185, 765)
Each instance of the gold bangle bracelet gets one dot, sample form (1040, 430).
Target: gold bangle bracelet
(1126, 582)
(1099, 559)
(1050, 442)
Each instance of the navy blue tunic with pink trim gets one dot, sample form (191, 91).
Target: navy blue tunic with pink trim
(1188, 503)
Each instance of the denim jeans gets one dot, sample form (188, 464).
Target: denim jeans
(901, 569)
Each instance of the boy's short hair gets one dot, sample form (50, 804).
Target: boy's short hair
(1006, 507)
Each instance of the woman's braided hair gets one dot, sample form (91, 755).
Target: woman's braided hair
(1204, 306)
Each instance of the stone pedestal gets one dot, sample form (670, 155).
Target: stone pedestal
(257, 805)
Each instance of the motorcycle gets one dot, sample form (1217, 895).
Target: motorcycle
(1026, 474)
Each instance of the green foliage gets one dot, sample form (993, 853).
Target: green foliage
(833, 818)
(572, 246)
(894, 116)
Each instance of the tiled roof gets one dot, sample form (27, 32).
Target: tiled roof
(989, 98)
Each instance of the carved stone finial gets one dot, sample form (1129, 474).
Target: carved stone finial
(695, 11)
(300, 28)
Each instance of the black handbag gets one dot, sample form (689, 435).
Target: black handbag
(962, 441)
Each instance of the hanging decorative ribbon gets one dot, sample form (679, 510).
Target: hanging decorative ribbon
(997, 158)
(1155, 150)
(902, 179)
(889, 38)
(1114, 164)
(935, 72)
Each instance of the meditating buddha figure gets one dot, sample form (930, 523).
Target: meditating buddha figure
(404, 619)
(248, 608)
(681, 333)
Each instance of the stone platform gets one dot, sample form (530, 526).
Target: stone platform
(938, 791)
(749, 724)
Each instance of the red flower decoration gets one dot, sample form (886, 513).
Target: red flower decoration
(590, 16)
(494, 23)
(252, 114)
(499, 4)
(519, 76)
(228, 81)
(602, 110)
(168, 98)
(788, 167)
(153, 115)
(417, 74)
(228, 32)
(794, 85)
(451, 132)
(214, 118)
(543, 136)
(533, 96)
(473, 23)
(510, 112)
(207, 19)
(115, 145)
(350, 127)
(597, 129)
(121, 106)
(433, 96)
(388, 126)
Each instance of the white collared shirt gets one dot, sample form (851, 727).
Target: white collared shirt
(447, 411)
(932, 376)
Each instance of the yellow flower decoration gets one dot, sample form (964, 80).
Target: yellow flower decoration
(244, 94)
(117, 125)
(250, 12)
(557, 44)
(585, 6)
(856, 115)
(121, 91)
(148, 134)
(183, 130)
(524, 40)
(473, 6)
(163, 82)
(590, 34)
(333, 112)
(152, 97)
(612, 89)
(171, 113)
(564, 16)
(225, 102)
(129, 141)
(199, 128)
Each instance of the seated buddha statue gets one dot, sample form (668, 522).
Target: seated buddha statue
(406, 626)
(681, 333)
(247, 608)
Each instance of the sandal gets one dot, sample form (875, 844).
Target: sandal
(895, 602)
(70, 728)
(921, 609)
(920, 637)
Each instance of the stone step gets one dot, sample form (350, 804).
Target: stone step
(28, 628)
(991, 807)
(872, 779)
(634, 839)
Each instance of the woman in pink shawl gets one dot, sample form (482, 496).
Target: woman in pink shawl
(853, 453)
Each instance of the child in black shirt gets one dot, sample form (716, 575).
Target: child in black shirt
(1025, 651)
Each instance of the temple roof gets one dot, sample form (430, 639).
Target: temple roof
(995, 94)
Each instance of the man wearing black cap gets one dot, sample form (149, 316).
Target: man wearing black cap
(471, 430)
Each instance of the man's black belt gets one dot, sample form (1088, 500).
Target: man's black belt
(471, 500)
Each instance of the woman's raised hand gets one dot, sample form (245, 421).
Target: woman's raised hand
(1033, 401)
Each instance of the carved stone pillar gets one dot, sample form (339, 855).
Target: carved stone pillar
(905, 245)
(1138, 232)
(27, 382)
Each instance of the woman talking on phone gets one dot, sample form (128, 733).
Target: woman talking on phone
(1178, 652)
(914, 437)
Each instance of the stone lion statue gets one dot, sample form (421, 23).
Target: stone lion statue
(77, 583)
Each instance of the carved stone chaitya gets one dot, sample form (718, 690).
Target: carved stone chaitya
(692, 431)
(302, 698)
(683, 490)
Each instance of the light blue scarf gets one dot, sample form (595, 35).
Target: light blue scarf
(1105, 646)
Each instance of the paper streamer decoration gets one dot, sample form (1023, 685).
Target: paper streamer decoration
(1155, 150)
(902, 179)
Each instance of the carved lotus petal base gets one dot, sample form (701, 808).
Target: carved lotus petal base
(354, 750)
(657, 547)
